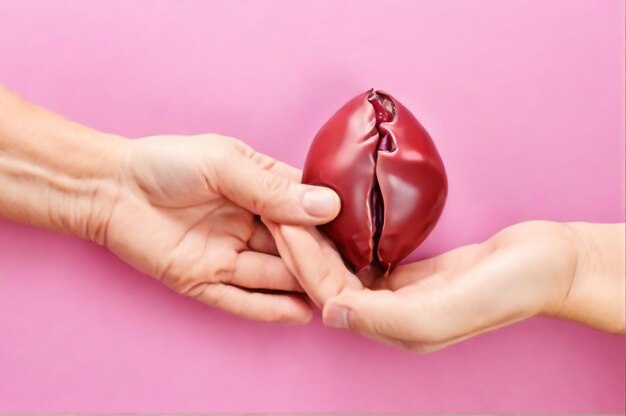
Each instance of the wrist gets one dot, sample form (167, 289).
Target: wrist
(96, 175)
(55, 173)
(65, 180)
(595, 296)
(554, 263)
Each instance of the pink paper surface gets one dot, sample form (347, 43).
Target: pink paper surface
(525, 100)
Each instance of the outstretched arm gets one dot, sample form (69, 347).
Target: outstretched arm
(570, 271)
(182, 209)
(55, 173)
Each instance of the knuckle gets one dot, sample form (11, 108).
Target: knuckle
(222, 152)
(224, 275)
(195, 290)
(211, 294)
(241, 147)
(272, 188)
(221, 266)
(275, 185)
(265, 162)
(328, 283)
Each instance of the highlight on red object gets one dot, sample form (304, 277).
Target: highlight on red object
(391, 180)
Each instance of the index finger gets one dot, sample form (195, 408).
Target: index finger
(314, 262)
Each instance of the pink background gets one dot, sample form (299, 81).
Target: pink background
(525, 100)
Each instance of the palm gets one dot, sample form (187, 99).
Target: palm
(171, 222)
(442, 300)
(207, 237)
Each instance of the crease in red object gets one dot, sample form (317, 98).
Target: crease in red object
(389, 176)
(385, 112)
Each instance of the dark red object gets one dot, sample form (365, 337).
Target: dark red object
(392, 183)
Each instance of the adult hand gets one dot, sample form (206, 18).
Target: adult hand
(185, 214)
(181, 209)
(571, 271)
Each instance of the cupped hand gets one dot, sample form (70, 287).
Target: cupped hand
(522, 271)
(186, 213)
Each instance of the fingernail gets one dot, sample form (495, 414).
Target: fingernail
(336, 316)
(320, 202)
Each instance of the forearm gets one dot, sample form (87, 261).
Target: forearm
(597, 294)
(55, 173)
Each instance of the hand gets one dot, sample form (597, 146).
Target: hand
(185, 214)
(181, 209)
(525, 270)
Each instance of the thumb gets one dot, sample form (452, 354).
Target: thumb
(276, 196)
(373, 313)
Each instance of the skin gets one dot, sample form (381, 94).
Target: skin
(570, 271)
(185, 211)
(181, 209)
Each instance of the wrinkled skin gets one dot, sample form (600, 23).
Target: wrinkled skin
(185, 214)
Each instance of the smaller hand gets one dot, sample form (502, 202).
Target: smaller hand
(185, 214)
(524, 270)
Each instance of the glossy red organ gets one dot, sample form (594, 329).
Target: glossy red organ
(392, 183)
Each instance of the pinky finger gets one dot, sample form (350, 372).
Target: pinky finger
(284, 308)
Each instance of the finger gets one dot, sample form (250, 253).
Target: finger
(287, 171)
(273, 165)
(256, 306)
(499, 289)
(262, 240)
(271, 195)
(419, 319)
(379, 314)
(263, 271)
(315, 263)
